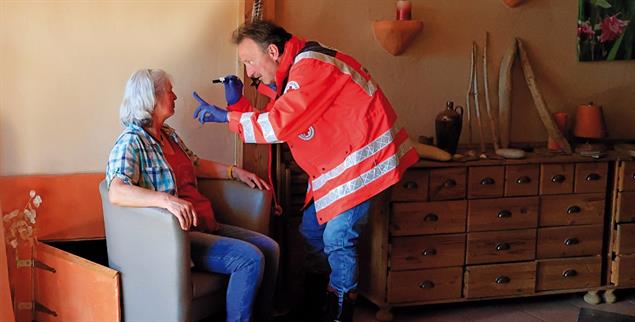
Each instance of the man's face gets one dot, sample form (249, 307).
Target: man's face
(258, 63)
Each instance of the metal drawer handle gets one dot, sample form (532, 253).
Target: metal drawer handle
(569, 273)
(429, 252)
(410, 185)
(504, 214)
(450, 183)
(558, 178)
(431, 217)
(523, 180)
(502, 279)
(426, 284)
(488, 181)
(573, 210)
(593, 177)
(633, 176)
(502, 246)
(571, 241)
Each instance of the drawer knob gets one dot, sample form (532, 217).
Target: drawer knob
(429, 252)
(504, 214)
(410, 185)
(488, 181)
(571, 241)
(502, 279)
(569, 273)
(523, 180)
(502, 246)
(593, 177)
(426, 284)
(633, 176)
(573, 210)
(450, 183)
(558, 178)
(431, 217)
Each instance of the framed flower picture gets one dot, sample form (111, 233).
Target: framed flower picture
(606, 30)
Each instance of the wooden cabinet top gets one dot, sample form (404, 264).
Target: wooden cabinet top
(531, 158)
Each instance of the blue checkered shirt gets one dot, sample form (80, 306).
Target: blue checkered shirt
(137, 159)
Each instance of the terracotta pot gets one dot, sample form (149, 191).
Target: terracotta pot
(562, 120)
(513, 3)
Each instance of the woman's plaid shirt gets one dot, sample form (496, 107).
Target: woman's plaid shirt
(137, 159)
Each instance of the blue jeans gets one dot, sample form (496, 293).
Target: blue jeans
(249, 258)
(333, 246)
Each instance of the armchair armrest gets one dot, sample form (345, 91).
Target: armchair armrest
(237, 204)
(152, 253)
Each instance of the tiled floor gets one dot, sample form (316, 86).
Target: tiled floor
(556, 308)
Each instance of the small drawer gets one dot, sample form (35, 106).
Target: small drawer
(417, 218)
(626, 176)
(427, 252)
(623, 270)
(626, 206)
(425, 285)
(556, 178)
(625, 243)
(501, 246)
(569, 241)
(590, 177)
(447, 184)
(504, 213)
(521, 180)
(572, 273)
(500, 280)
(412, 187)
(584, 209)
(485, 182)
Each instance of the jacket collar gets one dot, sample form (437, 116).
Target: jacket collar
(291, 48)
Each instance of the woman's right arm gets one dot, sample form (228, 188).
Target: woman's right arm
(126, 195)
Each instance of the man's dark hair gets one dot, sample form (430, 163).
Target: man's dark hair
(263, 33)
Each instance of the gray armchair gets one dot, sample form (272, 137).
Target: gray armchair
(152, 253)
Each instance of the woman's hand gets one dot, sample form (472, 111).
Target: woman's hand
(249, 178)
(183, 210)
(126, 195)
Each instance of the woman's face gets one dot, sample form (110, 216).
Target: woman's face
(165, 98)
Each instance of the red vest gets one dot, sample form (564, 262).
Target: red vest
(337, 122)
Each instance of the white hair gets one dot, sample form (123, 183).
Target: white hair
(139, 97)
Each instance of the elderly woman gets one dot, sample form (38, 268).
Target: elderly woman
(150, 166)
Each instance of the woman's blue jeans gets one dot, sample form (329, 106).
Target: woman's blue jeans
(333, 246)
(249, 258)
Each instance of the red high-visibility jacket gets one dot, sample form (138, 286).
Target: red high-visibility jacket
(337, 122)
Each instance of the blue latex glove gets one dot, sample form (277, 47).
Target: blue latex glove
(233, 89)
(209, 112)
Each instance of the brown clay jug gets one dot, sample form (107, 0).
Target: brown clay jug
(448, 126)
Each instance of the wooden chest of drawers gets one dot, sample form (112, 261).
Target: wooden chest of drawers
(488, 229)
(623, 225)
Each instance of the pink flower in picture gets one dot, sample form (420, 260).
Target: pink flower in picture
(612, 27)
(584, 30)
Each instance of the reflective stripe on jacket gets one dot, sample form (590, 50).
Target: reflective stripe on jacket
(338, 124)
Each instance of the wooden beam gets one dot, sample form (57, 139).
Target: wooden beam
(255, 157)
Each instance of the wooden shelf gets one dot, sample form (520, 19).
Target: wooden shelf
(396, 35)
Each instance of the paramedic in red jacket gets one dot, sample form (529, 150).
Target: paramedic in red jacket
(342, 132)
